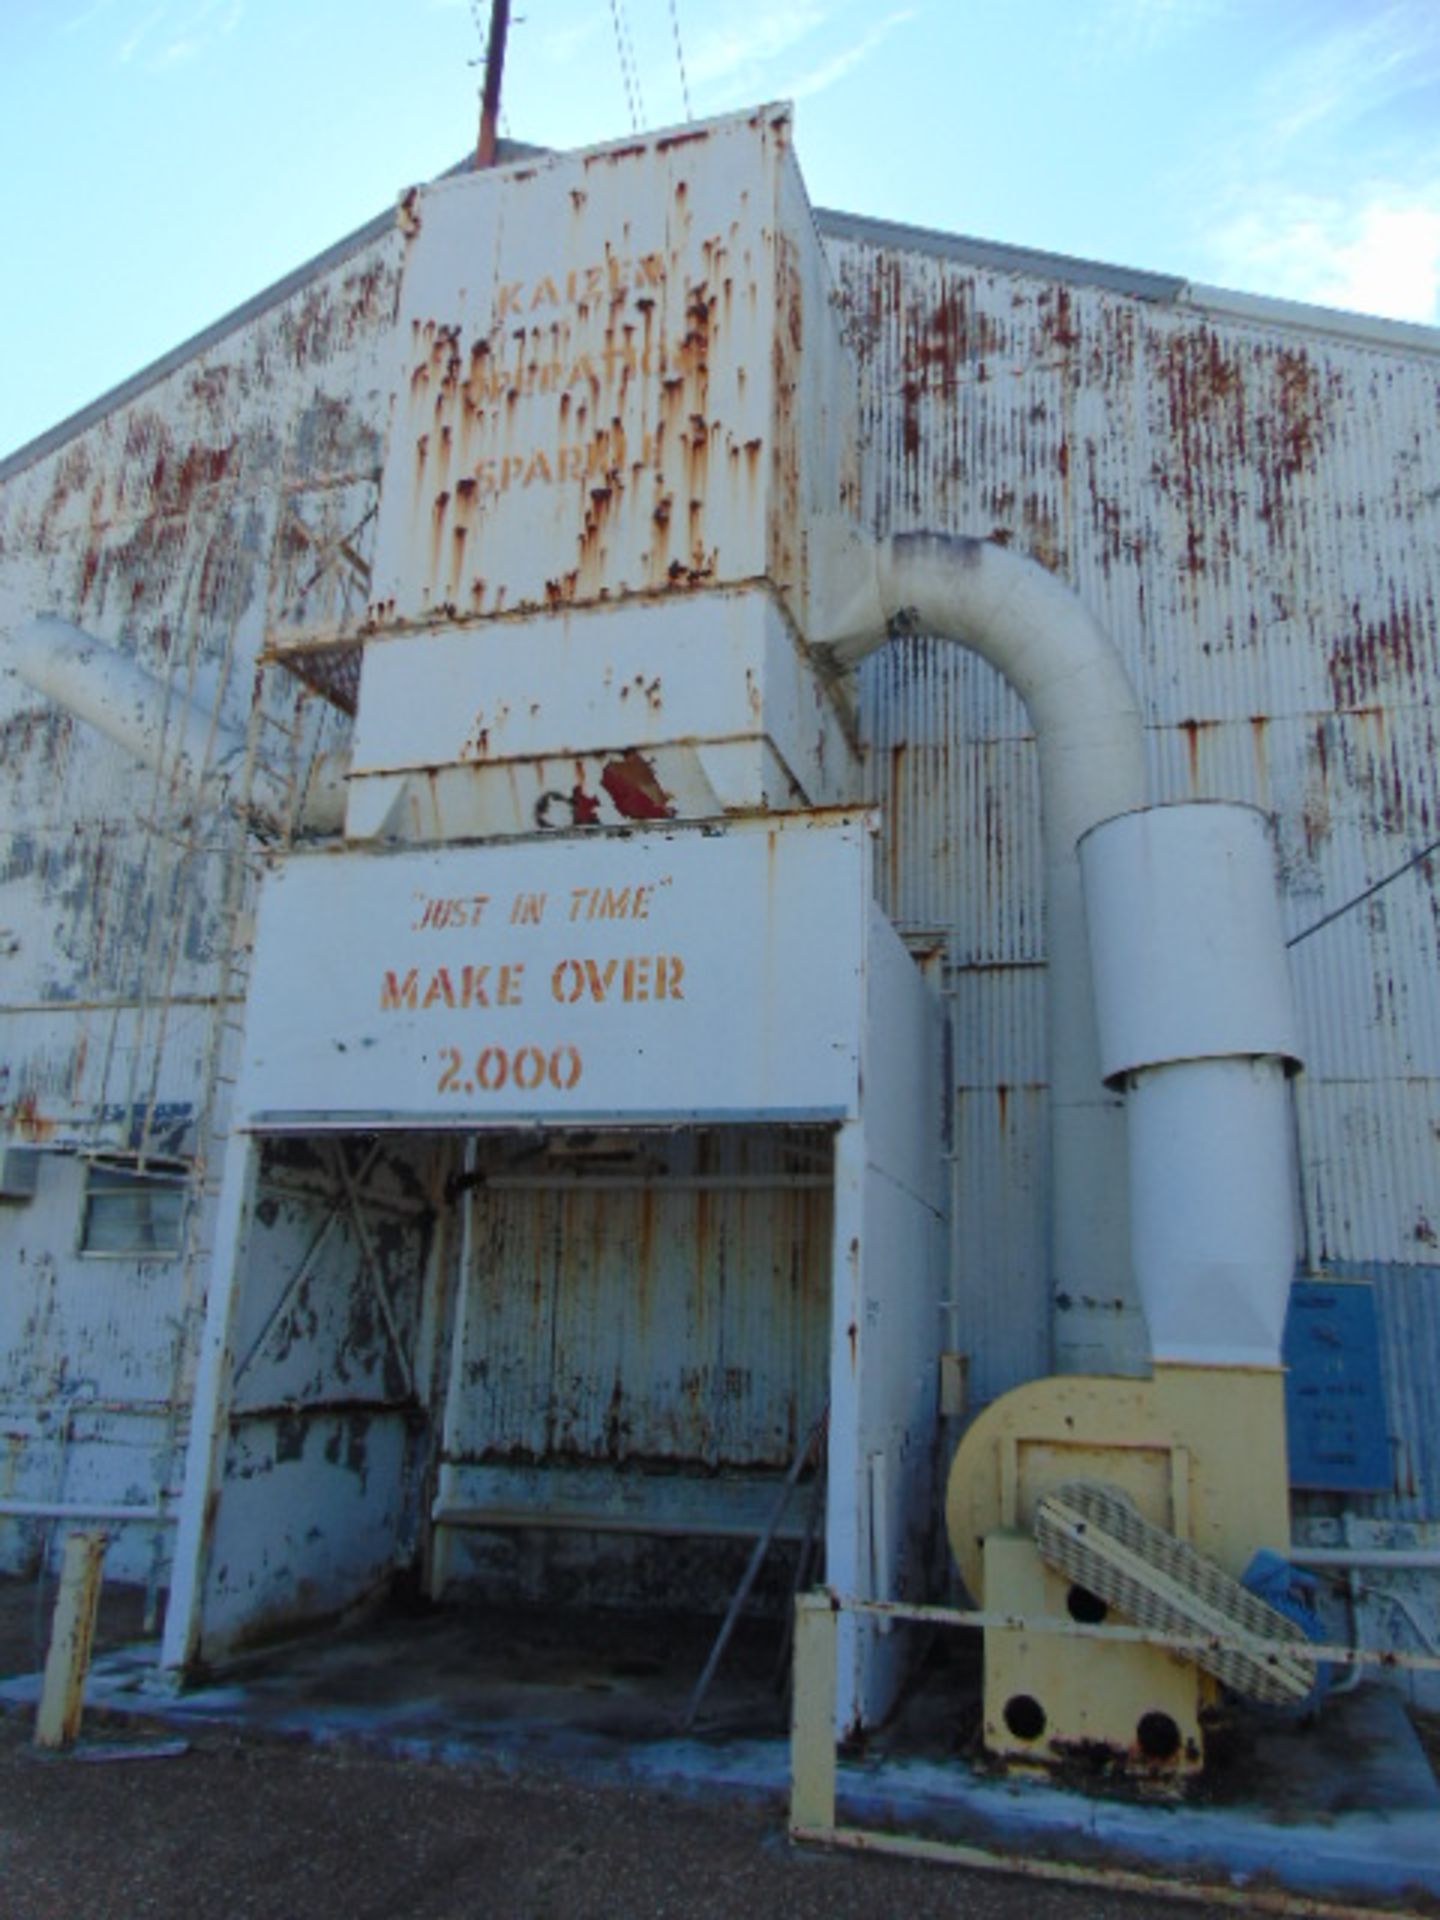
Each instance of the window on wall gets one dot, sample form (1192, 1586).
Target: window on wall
(133, 1210)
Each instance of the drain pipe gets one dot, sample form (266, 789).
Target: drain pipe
(1088, 728)
(166, 732)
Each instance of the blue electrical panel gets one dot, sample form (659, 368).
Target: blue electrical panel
(1334, 1400)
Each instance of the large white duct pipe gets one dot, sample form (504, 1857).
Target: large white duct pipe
(129, 706)
(1034, 631)
(1197, 1024)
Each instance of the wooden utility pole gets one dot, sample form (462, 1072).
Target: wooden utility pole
(494, 72)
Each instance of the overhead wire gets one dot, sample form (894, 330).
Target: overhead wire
(628, 74)
(634, 63)
(1369, 893)
(680, 60)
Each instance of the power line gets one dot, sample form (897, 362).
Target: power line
(634, 63)
(1369, 894)
(624, 70)
(680, 61)
(629, 72)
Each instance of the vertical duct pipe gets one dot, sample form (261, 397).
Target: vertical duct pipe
(1197, 1026)
(1087, 722)
(195, 749)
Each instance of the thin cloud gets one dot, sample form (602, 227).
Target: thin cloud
(725, 52)
(138, 35)
(819, 78)
(176, 53)
(1326, 185)
(1357, 70)
(1377, 251)
(169, 37)
(1130, 29)
(78, 22)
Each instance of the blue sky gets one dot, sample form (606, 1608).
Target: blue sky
(167, 158)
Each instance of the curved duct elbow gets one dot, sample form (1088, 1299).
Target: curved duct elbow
(1033, 630)
(167, 733)
(1030, 626)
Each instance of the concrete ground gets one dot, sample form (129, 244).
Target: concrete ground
(246, 1803)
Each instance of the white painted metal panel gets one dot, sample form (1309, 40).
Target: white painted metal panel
(313, 1514)
(515, 725)
(1211, 1176)
(671, 973)
(887, 1322)
(1184, 926)
(598, 376)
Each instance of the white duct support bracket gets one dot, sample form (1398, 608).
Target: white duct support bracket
(1196, 1021)
(163, 731)
(1033, 630)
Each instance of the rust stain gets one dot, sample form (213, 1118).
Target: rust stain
(1058, 325)
(614, 155)
(1193, 731)
(27, 1121)
(946, 343)
(1375, 653)
(634, 790)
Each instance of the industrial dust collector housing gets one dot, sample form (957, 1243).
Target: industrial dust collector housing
(597, 965)
(619, 392)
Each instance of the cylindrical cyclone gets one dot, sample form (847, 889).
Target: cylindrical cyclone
(1185, 937)
(1196, 1021)
(1212, 1220)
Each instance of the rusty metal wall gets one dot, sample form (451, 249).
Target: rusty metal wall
(235, 489)
(673, 1308)
(326, 1430)
(642, 1337)
(231, 487)
(1250, 507)
(1252, 511)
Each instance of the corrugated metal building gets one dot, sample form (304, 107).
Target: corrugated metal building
(1247, 495)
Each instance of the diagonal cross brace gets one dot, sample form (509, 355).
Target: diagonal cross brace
(312, 1253)
(371, 1265)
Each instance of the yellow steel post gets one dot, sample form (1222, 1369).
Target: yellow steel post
(812, 1722)
(62, 1692)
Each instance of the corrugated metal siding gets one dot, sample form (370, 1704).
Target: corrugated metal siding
(637, 1324)
(173, 528)
(167, 527)
(1252, 512)
(1253, 515)
(952, 762)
